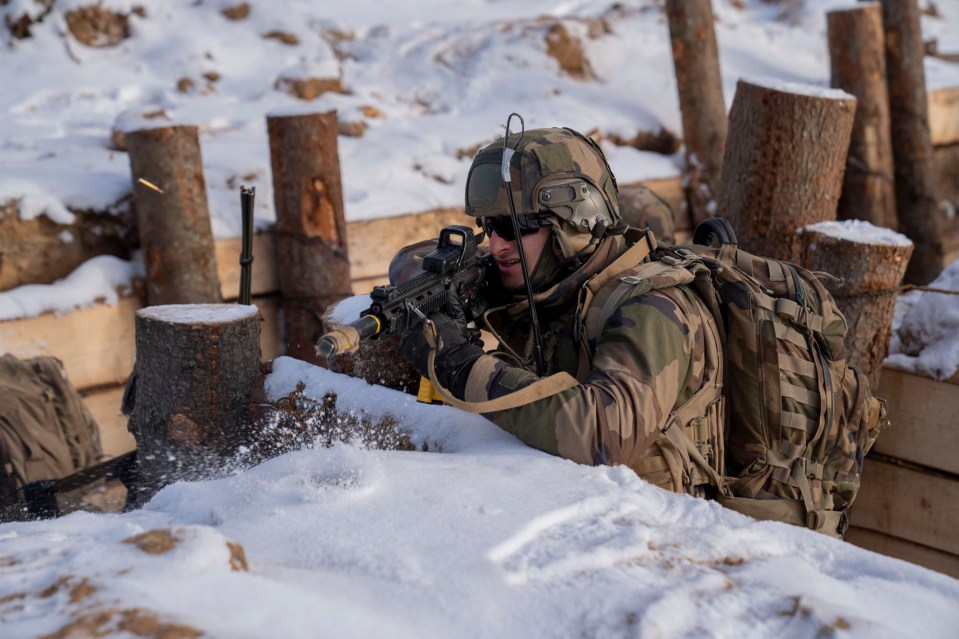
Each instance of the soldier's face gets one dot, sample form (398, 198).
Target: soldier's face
(506, 255)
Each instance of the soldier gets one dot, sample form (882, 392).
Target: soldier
(637, 359)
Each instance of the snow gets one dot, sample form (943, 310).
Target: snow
(488, 538)
(102, 279)
(926, 340)
(858, 231)
(483, 536)
(197, 313)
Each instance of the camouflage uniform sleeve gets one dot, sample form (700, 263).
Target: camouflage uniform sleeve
(649, 359)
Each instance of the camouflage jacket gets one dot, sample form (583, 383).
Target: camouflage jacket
(647, 361)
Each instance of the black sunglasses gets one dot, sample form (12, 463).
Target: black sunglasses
(503, 225)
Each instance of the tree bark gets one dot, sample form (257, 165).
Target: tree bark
(919, 214)
(311, 243)
(195, 370)
(873, 273)
(173, 220)
(784, 163)
(698, 80)
(858, 66)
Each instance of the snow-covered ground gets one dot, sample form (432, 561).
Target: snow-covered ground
(486, 538)
(483, 537)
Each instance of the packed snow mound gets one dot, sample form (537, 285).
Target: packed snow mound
(927, 338)
(489, 538)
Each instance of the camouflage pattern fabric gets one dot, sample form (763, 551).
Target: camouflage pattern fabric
(541, 155)
(649, 360)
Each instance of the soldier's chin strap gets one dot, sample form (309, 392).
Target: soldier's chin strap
(539, 389)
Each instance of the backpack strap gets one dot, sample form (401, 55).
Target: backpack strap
(690, 451)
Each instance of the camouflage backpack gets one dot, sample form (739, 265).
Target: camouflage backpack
(46, 432)
(785, 435)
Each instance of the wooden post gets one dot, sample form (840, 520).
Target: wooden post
(872, 261)
(919, 214)
(311, 243)
(195, 370)
(173, 220)
(698, 80)
(784, 163)
(858, 65)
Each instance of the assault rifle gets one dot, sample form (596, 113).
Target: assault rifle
(453, 264)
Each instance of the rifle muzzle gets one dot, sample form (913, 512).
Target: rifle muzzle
(344, 339)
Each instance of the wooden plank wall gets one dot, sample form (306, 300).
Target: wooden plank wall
(908, 506)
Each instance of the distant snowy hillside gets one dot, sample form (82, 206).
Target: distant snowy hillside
(418, 85)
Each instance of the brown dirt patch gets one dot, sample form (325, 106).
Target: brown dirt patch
(238, 561)
(568, 52)
(662, 141)
(19, 28)
(154, 542)
(136, 621)
(79, 590)
(285, 37)
(95, 26)
(236, 11)
(309, 88)
(353, 129)
(372, 112)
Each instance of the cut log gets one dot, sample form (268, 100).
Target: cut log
(858, 66)
(784, 163)
(378, 361)
(173, 219)
(701, 102)
(196, 368)
(872, 262)
(918, 210)
(311, 244)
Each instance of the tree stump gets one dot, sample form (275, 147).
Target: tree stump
(701, 102)
(858, 66)
(919, 215)
(196, 367)
(378, 361)
(872, 261)
(311, 243)
(173, 219)
(784, 163)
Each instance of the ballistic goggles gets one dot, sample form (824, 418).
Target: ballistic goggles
(503, 224)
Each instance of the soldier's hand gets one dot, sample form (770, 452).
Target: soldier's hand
(455, 354)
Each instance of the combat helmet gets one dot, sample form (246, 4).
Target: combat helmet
(559, 178)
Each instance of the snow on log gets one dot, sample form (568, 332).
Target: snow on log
(173, 218)
(311, 244)
(784, 162)
(872, 261)
(196, 367)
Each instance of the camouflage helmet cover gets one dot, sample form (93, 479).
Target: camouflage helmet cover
(555, 170)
